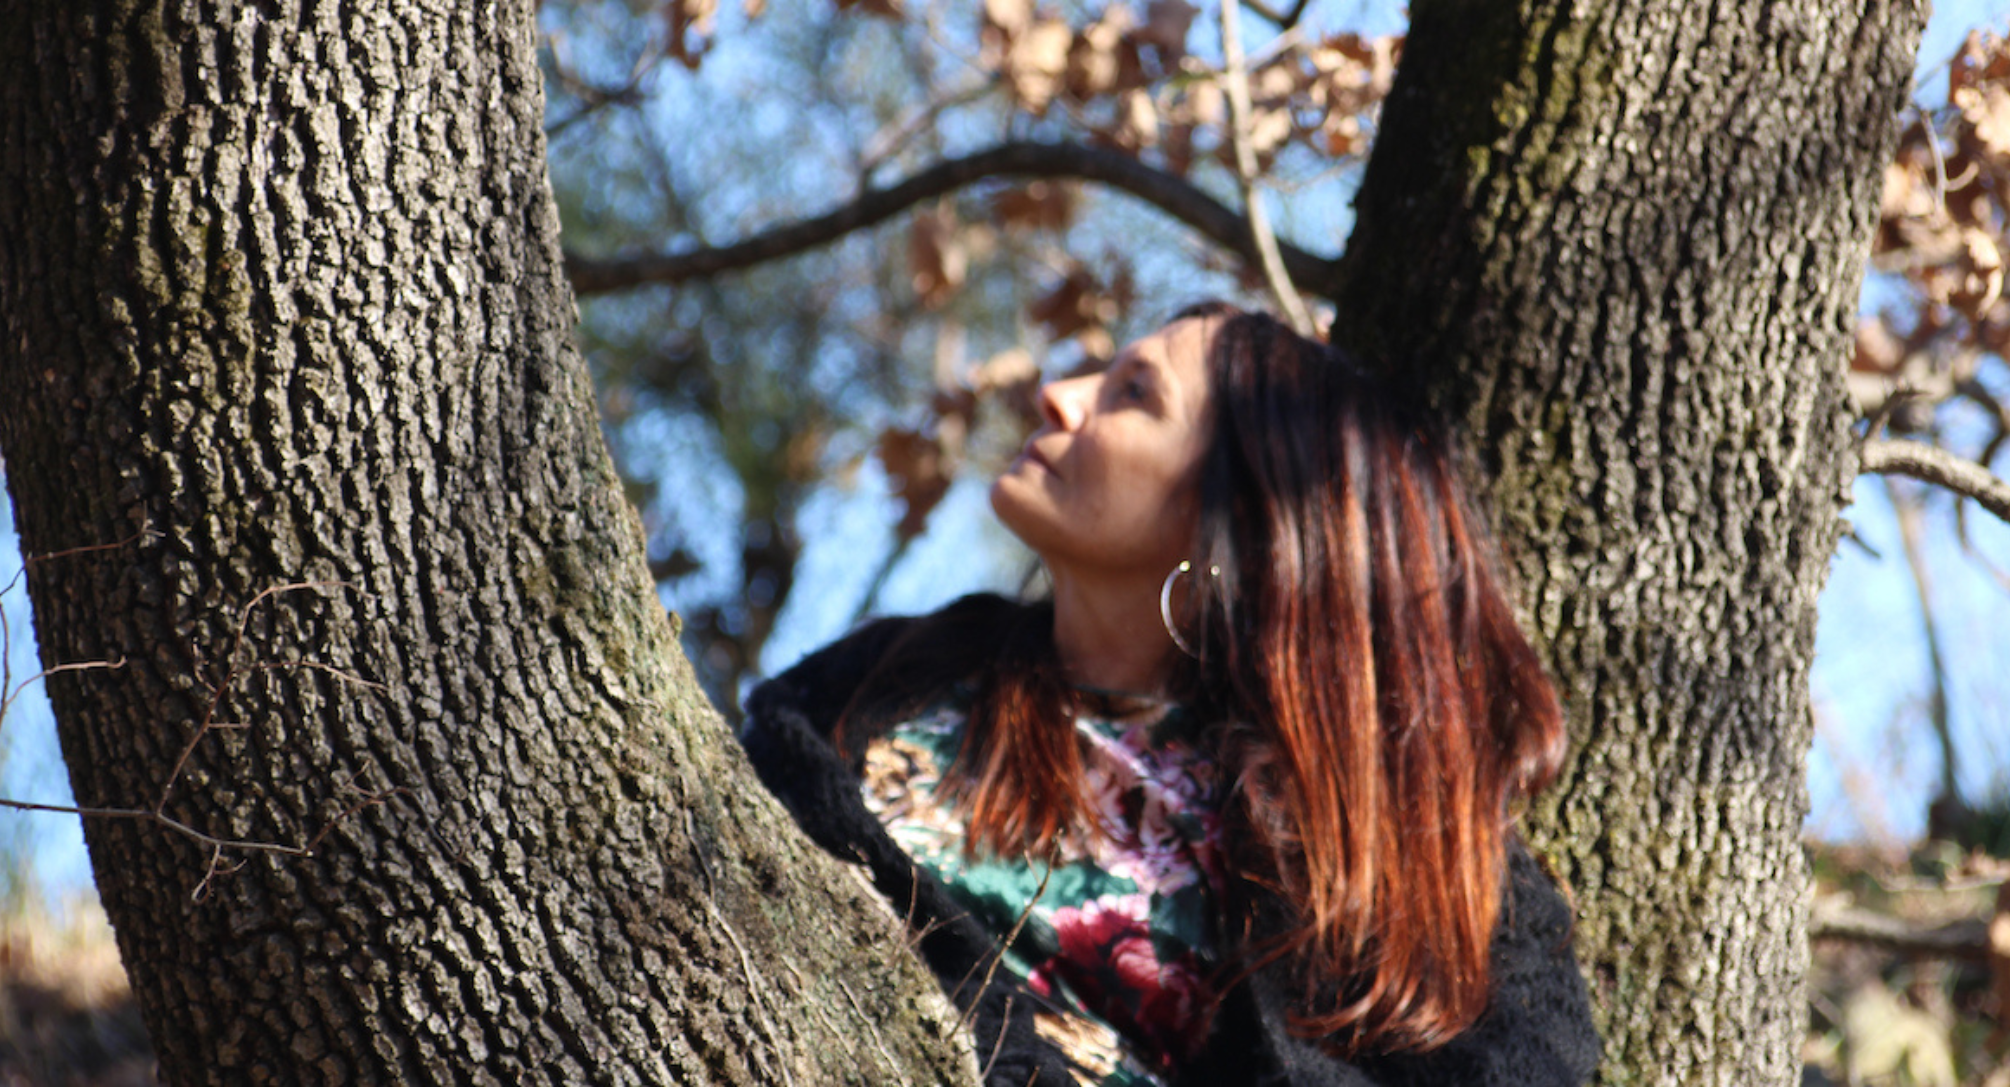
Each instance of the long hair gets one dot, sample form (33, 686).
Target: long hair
(1389, 712)
(1382, 712)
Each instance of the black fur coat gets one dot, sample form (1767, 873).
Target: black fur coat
(1536, 1031)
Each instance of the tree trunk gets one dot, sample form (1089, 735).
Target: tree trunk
(283, 304)
(1624, 241)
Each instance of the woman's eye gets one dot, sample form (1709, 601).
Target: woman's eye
(1132, 390)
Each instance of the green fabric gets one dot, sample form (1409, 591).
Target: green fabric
(1119, 932)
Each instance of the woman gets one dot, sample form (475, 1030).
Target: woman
(1234, 805)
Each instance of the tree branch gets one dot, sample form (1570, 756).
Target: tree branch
(1237, 81)
(1284, 20)
(1907, 511)
(1172, 195)
(1966, 939)
(1939, 467)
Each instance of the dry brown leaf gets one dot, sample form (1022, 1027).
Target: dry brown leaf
(1907, 192)
(803, 454)
(1276, 81)
(1095, 62)
(1982, 278)
(1068, 308)
(1382, 70)
(1011, 378)
(1084, 310)
(1010, 16)
(937, 260)
(1986, 109)
(1209, 106)
(1884, 1037)
(1268, 129)
(1877, 350)
(921, 473)
(1165, 27)
(1097, 343)
(886, 9)
(1344, 134)
(1982, 58)
(687, 23)
(1176, 144)
(1036, 62)
(1137, 121)
(1012, 366)
(1375, 58)
(1037, 205)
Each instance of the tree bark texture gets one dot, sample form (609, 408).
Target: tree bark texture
(1623, 241)
(282, 292)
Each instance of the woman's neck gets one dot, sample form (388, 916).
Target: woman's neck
(1108, 633)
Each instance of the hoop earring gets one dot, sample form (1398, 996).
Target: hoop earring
(1165, 604)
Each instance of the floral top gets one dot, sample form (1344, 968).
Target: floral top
(1118, 933)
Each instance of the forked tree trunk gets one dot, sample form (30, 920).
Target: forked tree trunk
(1624, 241)
(283, 304)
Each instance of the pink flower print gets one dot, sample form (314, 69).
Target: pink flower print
(1107, 958)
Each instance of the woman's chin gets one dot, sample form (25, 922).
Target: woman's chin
(1010, 502)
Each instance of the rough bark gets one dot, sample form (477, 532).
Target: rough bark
(1623, 242)
(282, 289)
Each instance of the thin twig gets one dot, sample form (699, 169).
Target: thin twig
(1236, 79)
(220, 848)
(1285, 20)
(1937, 466)
(889, 142)
(1025, 159)
(1907, 513)
(1966, 939)
(221, 688)
(10, 693)
(142, 533)
(756, 988)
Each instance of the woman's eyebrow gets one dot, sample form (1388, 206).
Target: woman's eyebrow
(1142, 362)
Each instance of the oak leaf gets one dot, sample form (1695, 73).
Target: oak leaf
(1096, 61)
(1137, 120)
(937, 260)
(1165, 28)
(921, 475)
(1037, 205)
(1036, 61)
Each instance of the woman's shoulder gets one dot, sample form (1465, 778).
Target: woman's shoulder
(1537, 1028)
(822, 684)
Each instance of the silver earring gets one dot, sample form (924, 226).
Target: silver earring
(1165, 604)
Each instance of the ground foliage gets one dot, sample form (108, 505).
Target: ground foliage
(1877, 1016)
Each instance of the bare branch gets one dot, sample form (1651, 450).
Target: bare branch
(1937, 466)
(1237, 83)
(1172, 195)
(1285, 20)
(8, 695)
(1966, 939)
(890, 142)
(1907, 511)
(144, 533)
(592, 97)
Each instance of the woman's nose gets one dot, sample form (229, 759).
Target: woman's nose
(1062, 402)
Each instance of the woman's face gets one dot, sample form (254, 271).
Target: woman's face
(1110, 483)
